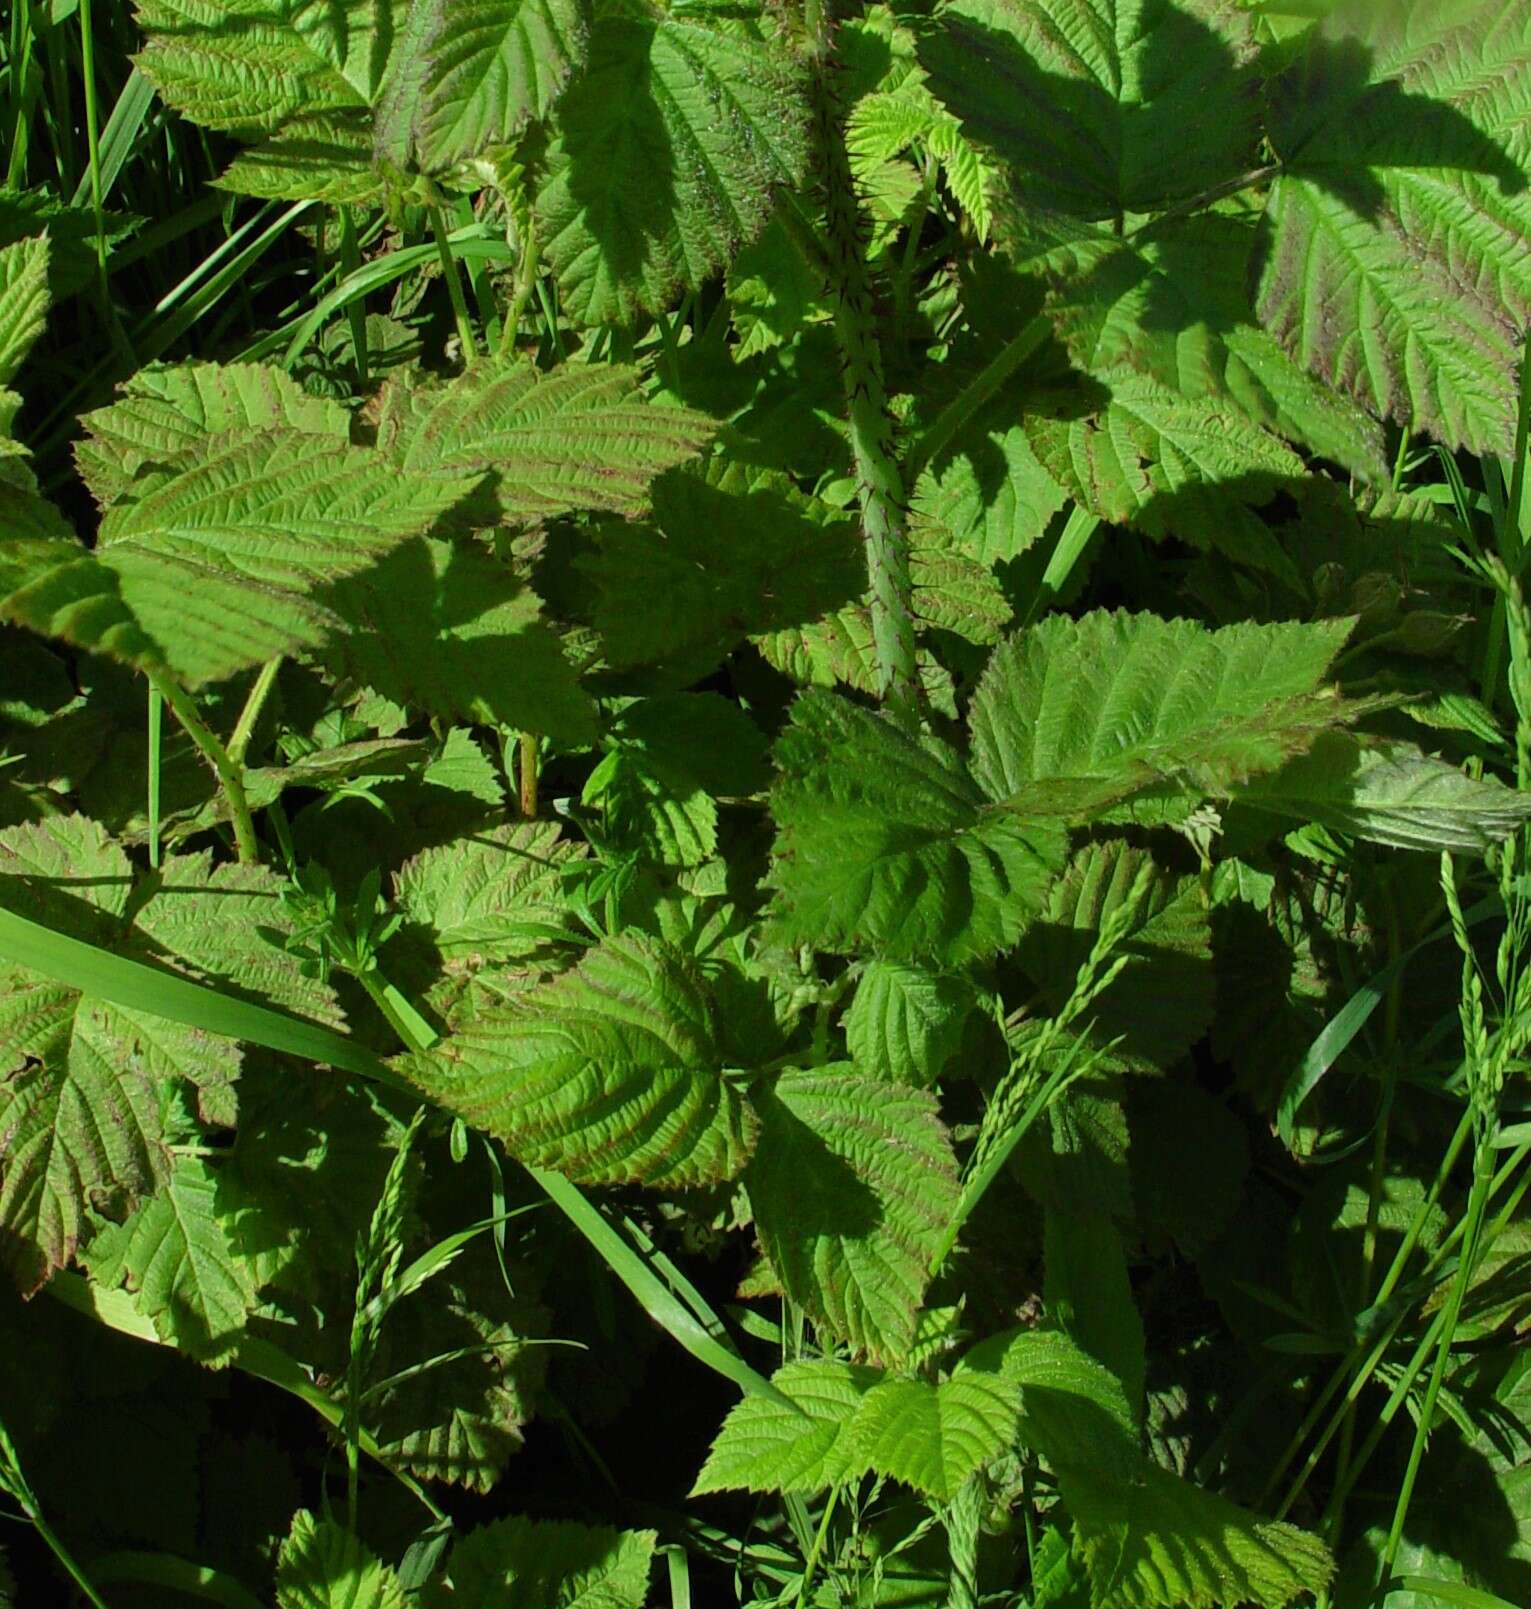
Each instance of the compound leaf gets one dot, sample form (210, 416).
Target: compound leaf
(853, 1182)
(85, 1083)
(1392, 794)
(23, 301)
(324, 157)
(1174, 467)
(786, 560)
(490, 898)
(228, 64)
(214, 569)
(905, 1022)
(443, 627)
(169, 409)
(1174, 307)
(610, 1073)
(1150, 1539)
(1161, 1002)
(1101, 107)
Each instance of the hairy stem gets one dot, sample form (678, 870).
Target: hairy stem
(244, 727)
(229, 772)
(526, 769)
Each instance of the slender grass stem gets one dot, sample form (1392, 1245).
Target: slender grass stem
(14, 1482)
(356, 313)
(1483, 1176)
(156, 725)
(816, 1552)
(453, 277)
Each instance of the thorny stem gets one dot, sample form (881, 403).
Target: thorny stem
(879, 485)
(229, 773)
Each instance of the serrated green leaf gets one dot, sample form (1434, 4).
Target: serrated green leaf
(772, 292)
(576, 437)
(463, 767)
(1390, 793)
(23, 301)
(176, 1255)
(1049, 1361)
(1119, 704)
(247, 68)
(885, 124)
(491, 898)
(934, 1437)
(85, 1084)
(905, 1022)
(987, 494)
(460, 1420)
(884, 840)
(325, 1566)
(324, 157)
(485, 69)
(1100, 107)
(610, 1073)
(1088, 1288)
(1174, 307)
(1396, 265)
(852, 1184)
(787, 559)
(544, 1564)
(957, 593)
(166, 410)
(667, 150)
(670, 758)
(298, 1187)
(1174, 467)
(441, 626)
(767, 1446)
(1155, 1541)
(215, 569)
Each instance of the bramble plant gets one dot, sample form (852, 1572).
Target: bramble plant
(765, 780)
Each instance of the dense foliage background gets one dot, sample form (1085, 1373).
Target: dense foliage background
(763, 784)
